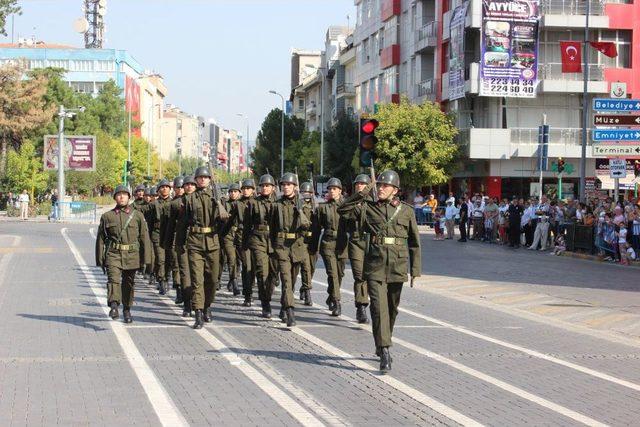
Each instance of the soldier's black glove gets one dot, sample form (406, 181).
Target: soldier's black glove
(104, 270)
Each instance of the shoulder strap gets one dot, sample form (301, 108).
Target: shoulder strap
(126, 224)
(386, 225)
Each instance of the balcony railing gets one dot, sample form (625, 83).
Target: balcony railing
(345, 88)
(311, 108)
(426, 87)
(572, 7)
(553, 71)
(428, 30)
(564, 136)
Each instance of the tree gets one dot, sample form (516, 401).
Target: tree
(266, 154)
(341, 142)
(301, 152)
(417, 141)
(25, 170)
(23, 108)
(7, 7)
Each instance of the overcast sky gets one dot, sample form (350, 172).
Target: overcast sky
(218, 57)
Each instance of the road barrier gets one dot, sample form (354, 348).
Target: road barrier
(75, 212)
(579, 237)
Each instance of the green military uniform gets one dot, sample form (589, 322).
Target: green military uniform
(394, 250)
(227, 240)
(149, 218)
(122, 247)
(140, 205)
(308, 265)
(247, 272)
(159, 217)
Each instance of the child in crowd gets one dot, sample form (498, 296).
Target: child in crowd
(502, 228)
(438, 223)
(560, 246)
(622, 243)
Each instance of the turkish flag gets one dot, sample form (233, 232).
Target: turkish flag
(606, 48)
(571, 56)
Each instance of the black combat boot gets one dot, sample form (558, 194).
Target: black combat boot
(235, 288)
(127, 315)
(163, 287)
(186, 310)
(337, 309)
(302, 294)
(179, 297)
(266, 310)
(361, 314)
(385, 360)
(291, 318)
(282, 315)
(208, 315)
(307, 298)
(199, 320)
(113, 313)
(330, 303)
(247, 302)
(230, 285)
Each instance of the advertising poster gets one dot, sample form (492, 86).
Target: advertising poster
(79, 153)
(456, 52)
(132, 101)
(509, 63)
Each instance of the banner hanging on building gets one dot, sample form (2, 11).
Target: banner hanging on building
(456, 52)
(79, 152)
(509, 64)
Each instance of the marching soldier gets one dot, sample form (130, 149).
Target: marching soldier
(256, 237)
(288, 224)
(205, 216)
(357, 249)
(177, 230)
(228, 236)
(333, 247)
(157, 216)
(394, 249)
(150, 197)
(122, 247)
(308, 264)
(247, 272)
(168, 239)
(139, 203)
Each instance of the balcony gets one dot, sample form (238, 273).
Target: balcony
(390, 56)
(571, 14)
(312, 111)
(427, 89)
(426, 36)
(345, 90)
(554, 80)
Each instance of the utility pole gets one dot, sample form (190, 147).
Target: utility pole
(281, 134)
(61, 190)
(585, 105)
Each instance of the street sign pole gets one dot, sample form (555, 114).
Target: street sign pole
(560, 186)
(616, 189)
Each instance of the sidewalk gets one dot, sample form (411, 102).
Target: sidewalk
(596, 258)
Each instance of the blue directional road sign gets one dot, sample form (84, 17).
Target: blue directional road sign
(618, 105)
(618, 135)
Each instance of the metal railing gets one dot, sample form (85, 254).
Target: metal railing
(553, 71)
(345, 88)
(572, 7)
(563, 136)
(427, 30)
(426, 87)
(75, 212)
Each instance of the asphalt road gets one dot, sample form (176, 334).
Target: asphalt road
(488, 337)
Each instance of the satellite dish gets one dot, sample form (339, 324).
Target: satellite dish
(81, 25)
(102, 3)
(102, 11)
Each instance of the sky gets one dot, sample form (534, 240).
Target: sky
(218, 57)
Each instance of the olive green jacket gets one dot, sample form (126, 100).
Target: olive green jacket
(286, 220)
(176, 226)
(136, 236)
(202, 211)
(256, 223)
(333, 228)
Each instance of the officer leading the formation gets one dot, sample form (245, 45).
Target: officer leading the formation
(122, 247)
(394, 249)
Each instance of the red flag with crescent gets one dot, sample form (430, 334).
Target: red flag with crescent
(606, 48)
(571, 52)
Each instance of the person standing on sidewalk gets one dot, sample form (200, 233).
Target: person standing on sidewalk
(450, 214)
(122, 247)
(514, 214)
(541, 233)
(24, 205)
(464, 218)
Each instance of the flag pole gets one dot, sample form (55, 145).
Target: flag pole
(585, 104)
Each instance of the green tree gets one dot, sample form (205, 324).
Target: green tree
(25, 170)
(417, 141)
(266, 154)
(7, 7)
(301, 152)
(341, 142)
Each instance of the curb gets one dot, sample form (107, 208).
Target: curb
(595, 258)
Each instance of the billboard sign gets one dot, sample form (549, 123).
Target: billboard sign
(456, 52)
(79, 152)
(509, 48)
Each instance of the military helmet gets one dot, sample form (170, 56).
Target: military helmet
(147, 191)
(153, 191)
(234, 187)
(334, 182)
(248, 183)
(267, 179)
(289, 178)
(202, 171)
(389, 177)
(306, 187)
(140, 187)
(363, 178)
(121, 189)
(178, 181)
(164, 183)
(189, 179)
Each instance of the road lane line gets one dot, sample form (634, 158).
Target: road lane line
(92, 231)
(166, 410)
(530, 352)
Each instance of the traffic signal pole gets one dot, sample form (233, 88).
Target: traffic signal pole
(560, 186)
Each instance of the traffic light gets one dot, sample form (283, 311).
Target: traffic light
(129, 166)
(636, 168)
(368, 141)
(560, 164)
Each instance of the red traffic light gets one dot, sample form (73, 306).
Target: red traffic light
(369, 126)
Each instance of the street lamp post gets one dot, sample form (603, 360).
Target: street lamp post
(282, 134)
(160, 135)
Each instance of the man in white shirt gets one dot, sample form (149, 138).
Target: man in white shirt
(450, 213)
(541, 234)
(24, 205)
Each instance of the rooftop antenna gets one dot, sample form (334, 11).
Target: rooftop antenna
(94, 12)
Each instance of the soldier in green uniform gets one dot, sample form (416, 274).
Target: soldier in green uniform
(256, 237)
(205, 217)
(247, 272)
(394, 250)
(168, 238)
(177, 230)
(357, 249)
(308, 265)
(333, 247)
(288, 225)
(150, 196)
(158, 217)
(228, 236)
(139, 203)
(122, 247)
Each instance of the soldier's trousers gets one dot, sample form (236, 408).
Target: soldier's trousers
(385, 298)
(335, 271)
(120, 285)
(182, 258)
(229, 250)
(288, 270)
(174, 267)
(160, 266)
(247, 272)
(356, 258)
(265, 269)
(204, 265)
(307, 268)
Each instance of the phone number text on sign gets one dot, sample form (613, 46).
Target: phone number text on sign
(508, 87)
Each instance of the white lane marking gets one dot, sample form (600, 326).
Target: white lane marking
(92, 231)
(166, 410)
(411, 392)
(290, 405)
(5, 261)
(516, 347)
(487, 378)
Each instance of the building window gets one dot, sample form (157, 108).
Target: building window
(105, 66)
(58, 63)
(365, 51)
(81, 65)
(82, 87)
(301, 104)
(390, 32)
